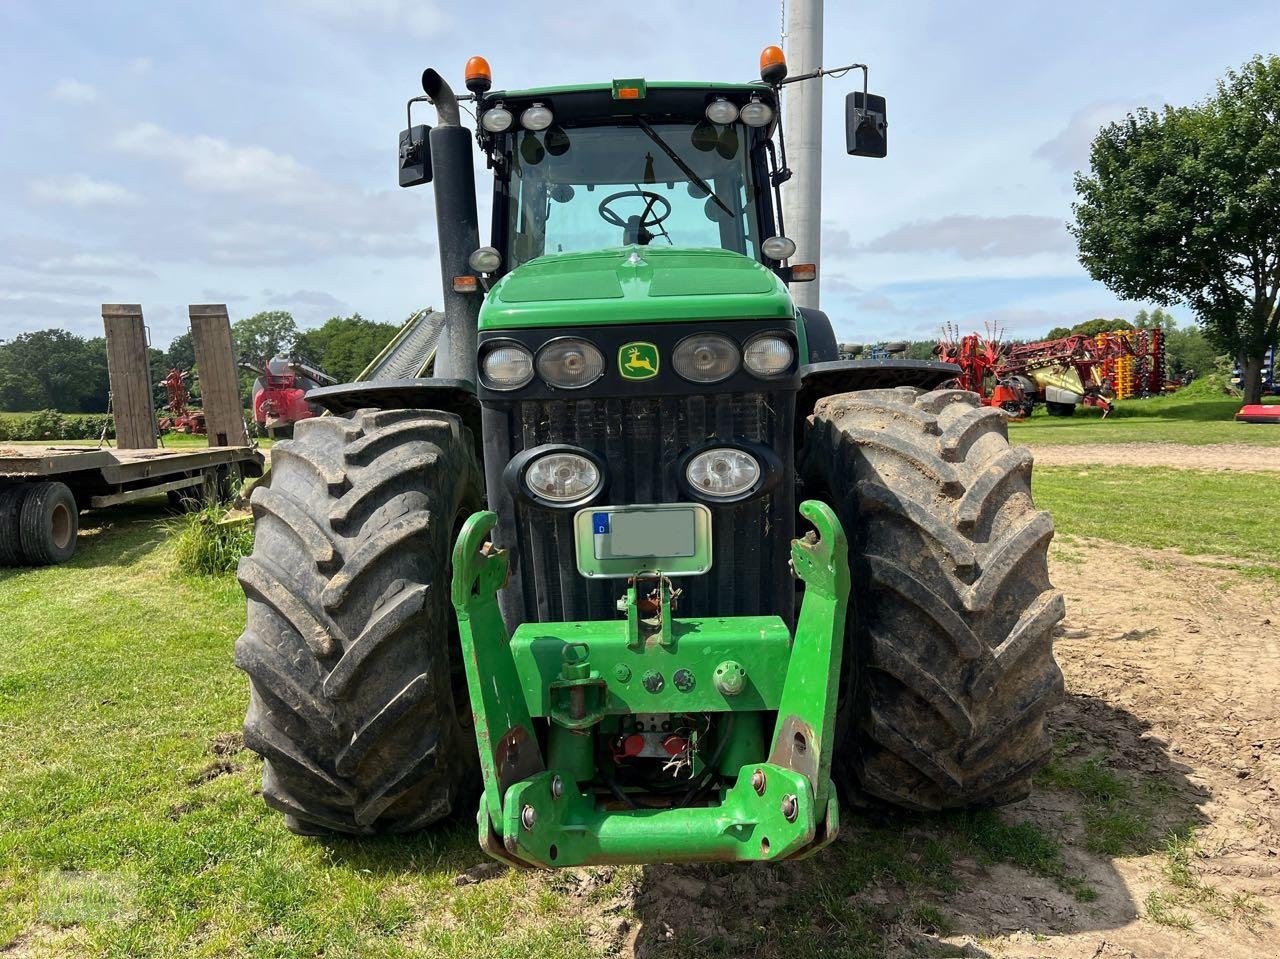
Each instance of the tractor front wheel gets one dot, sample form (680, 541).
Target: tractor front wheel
(949, 660)
(357, 703)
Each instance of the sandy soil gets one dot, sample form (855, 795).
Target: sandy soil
(1219, 456)
(1172, 667)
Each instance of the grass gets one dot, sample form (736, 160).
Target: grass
(1192, 511)
(206, 542)
(1193, 416)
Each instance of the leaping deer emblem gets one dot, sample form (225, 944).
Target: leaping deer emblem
(635, 362)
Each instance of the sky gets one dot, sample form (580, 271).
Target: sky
(245, 152)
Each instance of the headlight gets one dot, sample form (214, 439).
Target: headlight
(487, 259)
(721, 111)
(562, 477)
(768, 355)
(756, 114)
(569, 363)
(497, 120)
(779, 248)
(507, 367)
(723, 473)
(706, 358)
(537, 117)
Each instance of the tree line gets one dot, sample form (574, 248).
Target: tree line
(58, 370)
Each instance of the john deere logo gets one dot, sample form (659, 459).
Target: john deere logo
(638, 361)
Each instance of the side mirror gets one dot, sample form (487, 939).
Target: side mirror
(415, 156)
(866, 125)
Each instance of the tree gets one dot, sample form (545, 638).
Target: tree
(265, 334)
(345, 345)
(1187, 348)
(53, 369)
(1183, 206)
(181, 353)
(1089, 328)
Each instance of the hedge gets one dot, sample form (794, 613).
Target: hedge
(50, 425)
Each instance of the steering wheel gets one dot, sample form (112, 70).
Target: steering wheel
(646, 218)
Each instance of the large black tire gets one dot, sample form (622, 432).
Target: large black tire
(355, 700)
(949, 640)
(1060, 409)
(11, 498)
(48, 524)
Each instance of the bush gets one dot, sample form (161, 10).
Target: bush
(50, 426)
(208, 544)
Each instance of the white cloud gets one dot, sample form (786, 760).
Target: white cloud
(972, 237)
(73, 91)
(92, 264)
(1068, 150)
(79, 190)
(211, 164)
(417, 18)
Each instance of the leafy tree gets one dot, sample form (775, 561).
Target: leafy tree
(1187, 348)
(345, 345)
(1183, 206)
(1089, 328)
(181, 353)
(265, 334)
(53, 369)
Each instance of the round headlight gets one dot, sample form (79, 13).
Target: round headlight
(487, 259)
(721, 111)
(756, 114)
(723, 473)
(537, 117)
(562, 477)
(497, 120)
(768, 355)
(706, 358)
(507, 367)
(570, 364)
(779, 248)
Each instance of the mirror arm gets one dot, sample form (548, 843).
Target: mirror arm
(834, 72)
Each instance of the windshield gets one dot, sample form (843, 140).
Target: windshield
(590, 188)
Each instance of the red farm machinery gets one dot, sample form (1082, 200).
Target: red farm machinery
(279, 392)
(179, 415)
(1082, 369)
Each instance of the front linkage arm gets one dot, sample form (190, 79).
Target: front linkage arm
(533, 815)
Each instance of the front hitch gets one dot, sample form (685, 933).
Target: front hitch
(778, 801)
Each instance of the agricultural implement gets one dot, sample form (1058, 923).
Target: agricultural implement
(179, 415)
(280, 390)
(638, 558)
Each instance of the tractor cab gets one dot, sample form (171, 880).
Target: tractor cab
(631, 164)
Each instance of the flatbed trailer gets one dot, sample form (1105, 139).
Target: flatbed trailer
(43, 489)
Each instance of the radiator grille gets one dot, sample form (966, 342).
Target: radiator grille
(641, 440)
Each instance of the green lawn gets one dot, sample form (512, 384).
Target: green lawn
(1192, 416)
(1227, 514)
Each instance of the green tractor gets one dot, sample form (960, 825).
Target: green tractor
(642, 563)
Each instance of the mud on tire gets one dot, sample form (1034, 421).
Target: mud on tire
(950, 667)
(349, 632)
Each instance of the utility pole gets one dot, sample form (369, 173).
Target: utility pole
(802, 124)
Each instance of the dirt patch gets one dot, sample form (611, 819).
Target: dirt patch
(1221, 456)
(1173, 690)
(227, 744)
(214, 770)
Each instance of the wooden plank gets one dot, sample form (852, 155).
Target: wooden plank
(130, 375)
(129, 495)
(219, 377)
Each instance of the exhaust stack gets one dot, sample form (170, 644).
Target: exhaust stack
(454, 179)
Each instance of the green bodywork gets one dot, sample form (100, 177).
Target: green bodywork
(635, 284)
(583, 678)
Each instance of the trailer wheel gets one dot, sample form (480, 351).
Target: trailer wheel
(357, 696)
(11, 498)
(1060, 409)
(48, 524)
(950, 667)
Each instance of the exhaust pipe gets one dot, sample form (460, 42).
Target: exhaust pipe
(454, 181)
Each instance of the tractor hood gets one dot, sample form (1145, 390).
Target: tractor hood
(635, 284)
